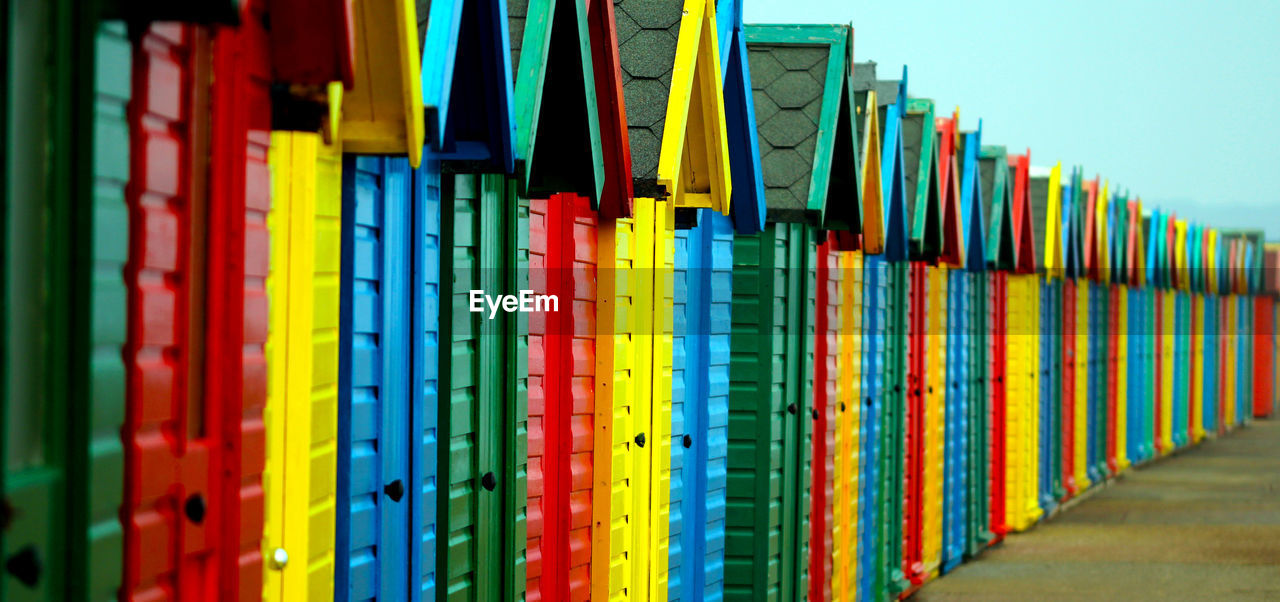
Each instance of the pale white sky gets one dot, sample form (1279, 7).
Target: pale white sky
(1176, 101)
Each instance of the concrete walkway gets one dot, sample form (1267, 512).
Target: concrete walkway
(1202, 525)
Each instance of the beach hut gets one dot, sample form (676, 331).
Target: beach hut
(888, 276)
(1212, 338)
(852, 472)
(1181, 336)
(562, 99)
(924, 435)
(868, 269)
(701, 336)
(670, 67)
(1138, 376)
(802, 82)
(1001, 258)
(193, 432)
(972, 324)
(1095, 322)
(1117, 331)
(65, 301)
(1046, 207)
(941, 459)
(1196, 331)
(954, 374)
(1073, 269)
(316, 44)
(1022, 429)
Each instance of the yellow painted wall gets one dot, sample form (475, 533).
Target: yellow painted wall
(935, 419)
(1082, 387)
(844, 531)
(1022, 433)
(633, 390)
(302, 367)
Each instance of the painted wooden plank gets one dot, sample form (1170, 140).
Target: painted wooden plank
(211, 467)
(700, 364)
(633, 400)
(871, 511)
(957, 417)
(481, 512)
(827, 297)
(770, 438)
(64, 303)
(934, 503)
(384, 439)
(302, 350)
(849, 461)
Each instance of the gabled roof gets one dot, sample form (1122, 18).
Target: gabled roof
(1091, 248)
(747, 205)
(893, 171)
(1180, 272)
(952, 252)
(923, 182)
(1195, 257)
(1024, 216)
(1152, 233)
(382, 112)
(1102, 239)
(1050, 255)
(615, 148)
(1117, 236)
(803, 82)
(867, 107)
(1136, 246)
(675, 102)
(466, 83)
(557, 125)
(971, 203)
(993, 168)
(1073, 262)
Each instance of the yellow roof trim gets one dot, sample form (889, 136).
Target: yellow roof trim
(693, 163)
(383, 112)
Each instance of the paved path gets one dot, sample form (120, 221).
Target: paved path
(1202, 525)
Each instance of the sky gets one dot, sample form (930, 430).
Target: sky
(1177, 102)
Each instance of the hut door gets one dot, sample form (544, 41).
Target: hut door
(376, 382)
(482, 367)
(170, 534)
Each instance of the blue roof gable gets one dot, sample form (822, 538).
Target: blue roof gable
(466, 84)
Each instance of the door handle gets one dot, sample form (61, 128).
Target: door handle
(687, 441)
(195, 508)
(394, 490)
(279, 558)
(489, 481)
(25, 566)
(791, 408)
(640, 439)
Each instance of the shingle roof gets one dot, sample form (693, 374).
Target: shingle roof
(788, 82)
(517, 11)
(647, 34)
